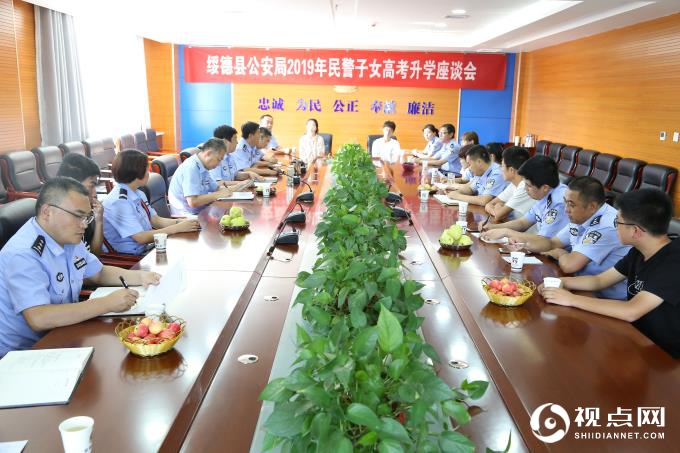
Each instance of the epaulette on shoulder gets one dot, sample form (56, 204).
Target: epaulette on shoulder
(122, 194)
(39, 244)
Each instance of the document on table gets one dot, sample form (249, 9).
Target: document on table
(238, 196)
(269, 179)
(527, 260)
(137, 309)
(13, 447)
(491, 241)
(41, 377)
(441, 185)
(155, 297)
(444, 199)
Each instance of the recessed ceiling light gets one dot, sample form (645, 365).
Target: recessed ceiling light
(458, 12)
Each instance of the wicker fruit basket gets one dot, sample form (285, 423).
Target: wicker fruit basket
(144, 348)
(455, 247)
(234, 228)
(526, 289)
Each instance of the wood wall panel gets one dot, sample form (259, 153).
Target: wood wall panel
(24, 24)
(613, 92)
(11, 120)
(346, 127)
(160, 82)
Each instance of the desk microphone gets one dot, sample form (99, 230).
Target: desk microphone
(401, 213)
(284, 237)
(393, 198)
(306, 197)
(294, 216)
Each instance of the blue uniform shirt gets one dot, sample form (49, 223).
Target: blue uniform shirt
(433, 146)
(273, 143)
(596, 238)
(35, 270)
(226, 170)
(191, 178)
(548, 212)
(126, 213)
(245, 155)
(491, 182)
(451, 153)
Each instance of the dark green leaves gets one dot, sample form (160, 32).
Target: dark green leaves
(474, 389)
(454, 442)
(390, 334)
(276, 391)
(360, 414)
(456, 410)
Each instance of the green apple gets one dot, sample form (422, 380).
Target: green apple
(465, 240)
(225, 220)
(239, 221)
(236, 211)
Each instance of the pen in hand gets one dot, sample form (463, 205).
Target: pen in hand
(122, 280)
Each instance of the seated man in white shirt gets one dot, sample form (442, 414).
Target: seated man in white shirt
(514, 201)
(387, 148)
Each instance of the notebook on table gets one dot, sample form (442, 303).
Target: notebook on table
(41, 377)
(445, 199)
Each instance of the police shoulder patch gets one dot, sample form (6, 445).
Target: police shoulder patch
(573, 231)
(592, 237)
(550, 216)
(122, 194)
(596, 221)
(39, 244)
(490, 183)
(549, 202)
(79, 262)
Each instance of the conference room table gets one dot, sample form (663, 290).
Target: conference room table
(199, 397)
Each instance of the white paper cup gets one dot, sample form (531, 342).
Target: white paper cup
(516, 261)
(451, 178)
(424, 195)
(160, 241)
(463, 225)
(552, 282)
(76, 434)
(517, 140)
(462, 208)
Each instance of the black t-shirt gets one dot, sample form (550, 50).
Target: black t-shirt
(660, 276)
(89, 235)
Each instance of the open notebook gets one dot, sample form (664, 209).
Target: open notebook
(41, 377)
(238, 196)
(444, 199)
(137, 309)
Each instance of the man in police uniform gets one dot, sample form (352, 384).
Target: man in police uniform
(129, 220)
(591, 235)
(226, 171)
(488, 183)
(43, 266)
(192, 187)
(267, 121)
(542, 183)
(247, 156)
(649, 270)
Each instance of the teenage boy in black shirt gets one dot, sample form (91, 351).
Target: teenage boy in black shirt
(650, 267)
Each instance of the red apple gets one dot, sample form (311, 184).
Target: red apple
(175, 327)
(167, 333)
(146, 321)
(156, 326)
(506, 288)
(142, 330)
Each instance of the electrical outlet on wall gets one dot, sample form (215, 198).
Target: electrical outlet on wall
(662, 135)
(676, 136)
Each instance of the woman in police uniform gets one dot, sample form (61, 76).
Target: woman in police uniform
(129, 221)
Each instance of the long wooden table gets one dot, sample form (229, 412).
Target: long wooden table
(200, 398)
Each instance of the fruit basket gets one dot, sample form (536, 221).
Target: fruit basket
(224, 228)
(129, 332)
(455, 247)
(504, 294)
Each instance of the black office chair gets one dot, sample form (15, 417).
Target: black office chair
(127, 141)
(187, 153)
(156, 193)
(165, 165)
(542, 147)
(328, 142)
(73, 147)
(3, 191)
(627, 178)
(655, 176)
(20, 173)
(605, 168)
(13, 216)
(49, 159)
(674, 229)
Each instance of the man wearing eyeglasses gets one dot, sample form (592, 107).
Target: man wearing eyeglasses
(43, 267)
(650, 271)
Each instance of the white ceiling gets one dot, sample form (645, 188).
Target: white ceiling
(497, 25)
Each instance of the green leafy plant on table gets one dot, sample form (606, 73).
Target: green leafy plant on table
(361, 379)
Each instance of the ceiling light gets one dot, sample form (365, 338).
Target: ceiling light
(458, 12)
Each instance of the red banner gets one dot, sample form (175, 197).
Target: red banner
(345, 67)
